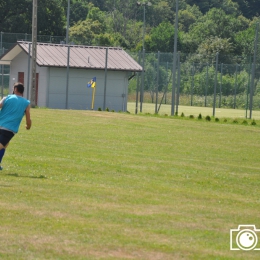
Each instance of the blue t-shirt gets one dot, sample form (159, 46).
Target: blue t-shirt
(12, 112)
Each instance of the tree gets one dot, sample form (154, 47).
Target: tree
(186, 18)
(244, 42)
(85, 32)
(250, 8)
(161, 38)
(51, 18)
(90, 30)
(16, 16)
(207, 50)
(216, 23)
(228, 6)
(158, 13)
(78, 11)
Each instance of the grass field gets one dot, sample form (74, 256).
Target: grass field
(103, 185)
(193, 110)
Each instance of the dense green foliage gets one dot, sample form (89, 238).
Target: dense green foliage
(16, 16)
(204, 25)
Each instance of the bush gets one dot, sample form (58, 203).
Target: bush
(99, 109)
(235, 121)
(216, 119)
(200, 116)
(208, 118)
(245, 122)
(253, 122)
(182, 114)
(191, 116)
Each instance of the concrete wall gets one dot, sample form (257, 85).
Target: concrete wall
(80, 97)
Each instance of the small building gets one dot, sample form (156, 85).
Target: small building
(63, 72)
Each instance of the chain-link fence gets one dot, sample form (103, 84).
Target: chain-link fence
(4, 80)
(204, 84)
(214, 80)
(7, 40)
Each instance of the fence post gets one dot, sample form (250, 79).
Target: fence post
(67, 78)
(105, 86)
(34, 54)
(174, 57)
(142, 84)
(207, 84)
(165, 96)
(178, 84)
(220, 86)
(215, 85)
(157, 84)
(137, 85)
(248, 85)
(253, 73)
(235, 90)
(192, 85)
(29, 69)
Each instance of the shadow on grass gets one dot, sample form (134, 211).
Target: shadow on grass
(31, 176)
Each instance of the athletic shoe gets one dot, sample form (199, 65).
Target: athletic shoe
(1, 168)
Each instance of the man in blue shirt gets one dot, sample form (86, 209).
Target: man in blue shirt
(13, 107)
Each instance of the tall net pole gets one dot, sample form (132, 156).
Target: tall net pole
(215, 85)
(68, 23)
(174, 58)
(253, 73)
(34, 54)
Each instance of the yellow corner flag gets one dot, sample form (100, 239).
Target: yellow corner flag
(92, 84)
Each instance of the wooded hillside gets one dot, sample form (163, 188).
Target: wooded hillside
(205, 26)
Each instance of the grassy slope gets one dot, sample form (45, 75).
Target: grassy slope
(99, 185)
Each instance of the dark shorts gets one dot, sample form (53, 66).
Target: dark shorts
(5, 136)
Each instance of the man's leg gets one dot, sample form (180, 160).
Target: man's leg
(5, 137)
(2, 153)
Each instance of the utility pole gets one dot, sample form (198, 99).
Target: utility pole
(68, 23)
(34, 54)
(68, 56)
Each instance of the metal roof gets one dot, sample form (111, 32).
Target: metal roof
(87, 57)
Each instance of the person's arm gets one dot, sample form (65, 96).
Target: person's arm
(2, 102)
(28, 118)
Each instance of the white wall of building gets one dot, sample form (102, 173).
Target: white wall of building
(53, 81)
(20, 64)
